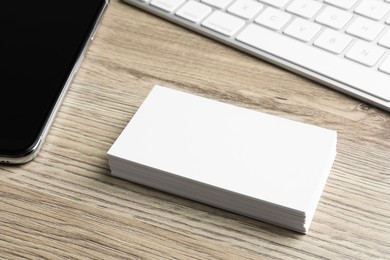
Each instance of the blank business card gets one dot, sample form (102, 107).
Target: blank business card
(251, 163)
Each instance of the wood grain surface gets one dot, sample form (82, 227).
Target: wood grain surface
(65, 204)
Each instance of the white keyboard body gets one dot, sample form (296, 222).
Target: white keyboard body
(344, 44)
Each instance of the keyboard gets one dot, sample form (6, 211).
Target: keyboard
(343, 44)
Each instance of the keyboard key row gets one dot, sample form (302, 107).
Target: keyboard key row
(275, 19)
(303, 55)
(373, 9)
(298, 28)
(304, 30)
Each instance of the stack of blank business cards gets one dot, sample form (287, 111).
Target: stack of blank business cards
(247, 162)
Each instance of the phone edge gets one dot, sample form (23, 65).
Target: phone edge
(31, 153)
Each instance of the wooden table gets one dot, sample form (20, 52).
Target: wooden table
(66, 204)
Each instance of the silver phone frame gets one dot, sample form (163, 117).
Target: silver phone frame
(34, 150)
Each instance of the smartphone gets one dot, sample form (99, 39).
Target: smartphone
(42, 44)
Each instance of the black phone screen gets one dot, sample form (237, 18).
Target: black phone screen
(39, 45)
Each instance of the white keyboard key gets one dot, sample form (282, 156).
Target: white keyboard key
(302, 29)
(273, 18)
(194, 11)
(365, 28)
(221, 4)
(385, 66)
(304, 8)
(344, 4)
(332, 66)
(373, 9)
(365, 53)
(223, 23)
(334, 17)
(385, 39)
(333, 41)
(388, 20)
(167, 5)
(276, 3)
(245, 8)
